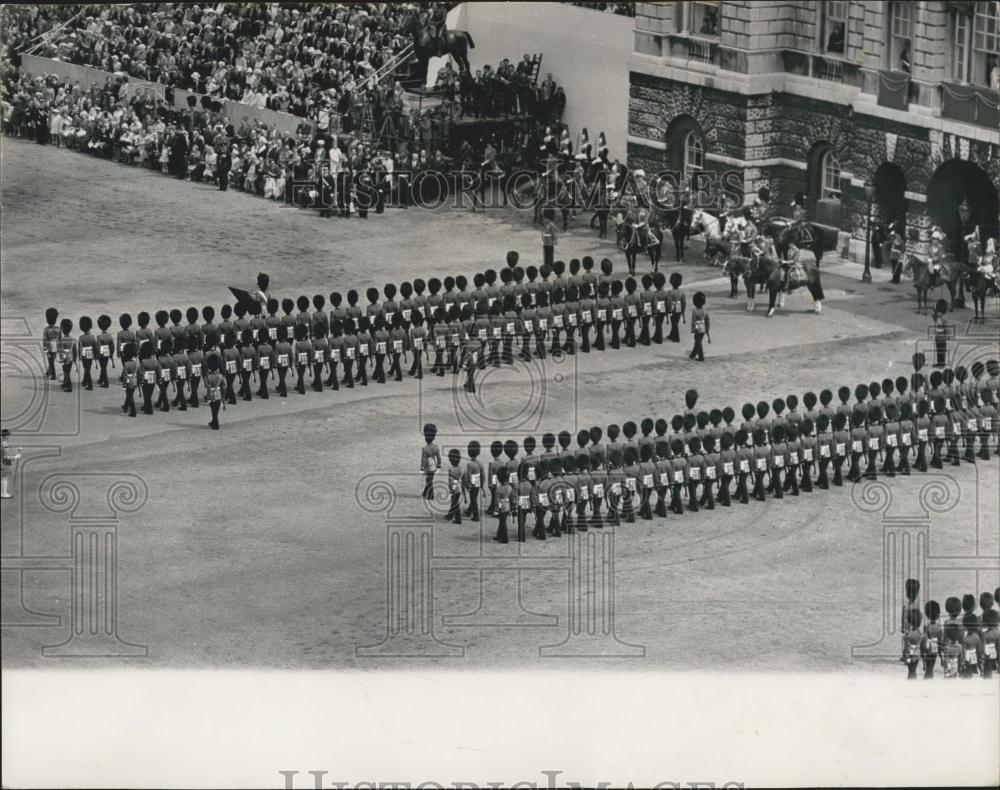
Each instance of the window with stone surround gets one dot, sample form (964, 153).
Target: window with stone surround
(699, 18)
(831, 177)
(833, 27)
(694, 154)
(975, 44)
(900, 35)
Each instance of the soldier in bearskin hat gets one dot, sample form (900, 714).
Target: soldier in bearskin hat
(105, 345)
(130, 379)
(87, 347)
(677, 306)
(50, 341)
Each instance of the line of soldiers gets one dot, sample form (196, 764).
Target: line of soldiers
(441, 322)
(893, 426)
(967, 644)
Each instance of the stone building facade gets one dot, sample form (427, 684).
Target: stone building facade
(843, 102)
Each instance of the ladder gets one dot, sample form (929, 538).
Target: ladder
(397, 61)
(536, 68)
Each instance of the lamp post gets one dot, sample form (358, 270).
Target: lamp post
(866, 276)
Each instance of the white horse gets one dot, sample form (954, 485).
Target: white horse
(716, 245)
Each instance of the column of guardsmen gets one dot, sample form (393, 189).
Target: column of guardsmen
(966, 644)
(701, 459)
(441, 324)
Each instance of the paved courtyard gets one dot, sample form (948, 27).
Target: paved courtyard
(265, 544)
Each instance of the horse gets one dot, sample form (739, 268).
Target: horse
(717, 248)
(455, 43)
(980, 274)
(802, 234)
(774, 276)
(736, 265)
(923, 279)
(981, 284)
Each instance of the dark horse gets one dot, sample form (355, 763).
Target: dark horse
(981, 285)
(771, 272)
(802, 234)
(455, 43)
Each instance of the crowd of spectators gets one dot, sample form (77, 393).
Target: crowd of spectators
(203, 146)
(302, 58)
(121, 121)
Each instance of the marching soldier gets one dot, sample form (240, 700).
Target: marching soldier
(496, 463)
(196, 360)
(418, 342)
(695, 472)
(209, 327)
(633, 306)
(320, 348)
(230, 362)
(162, 332)
(182, 367)
(287, 319)
(677, 305)
(632, 488)
(106, 350)
(89, 350)
(178, 333)
(810, 451)
(678, 472)
(50, 341)
(661, 301)
(711, 467)
(727, 467)
(363, 349)
(130, 379)
(472, 481)
(744, 464)
(761, 462)
(793, 447)
(381, 347)
(167, 372)
(602, 313)
(350, 352)
(504, 503)
(700, 327)
(526, 503)
(617, 313)
(150, 370)
(598, 479)
(647, 302)
(264, 360)
(470, 361)
(397, 348)
(193, 329)
(302, 356)
(430, 459)
(283, 358)
(125, 337)
(663, 476)
(258, 323)
(227, 328)
(66, 353)
(215, 386)
(336, 354)
(455, 485)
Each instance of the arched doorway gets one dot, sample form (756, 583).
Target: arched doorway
(889, 183)
(957, 180)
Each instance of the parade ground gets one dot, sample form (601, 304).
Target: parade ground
(265, 544)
